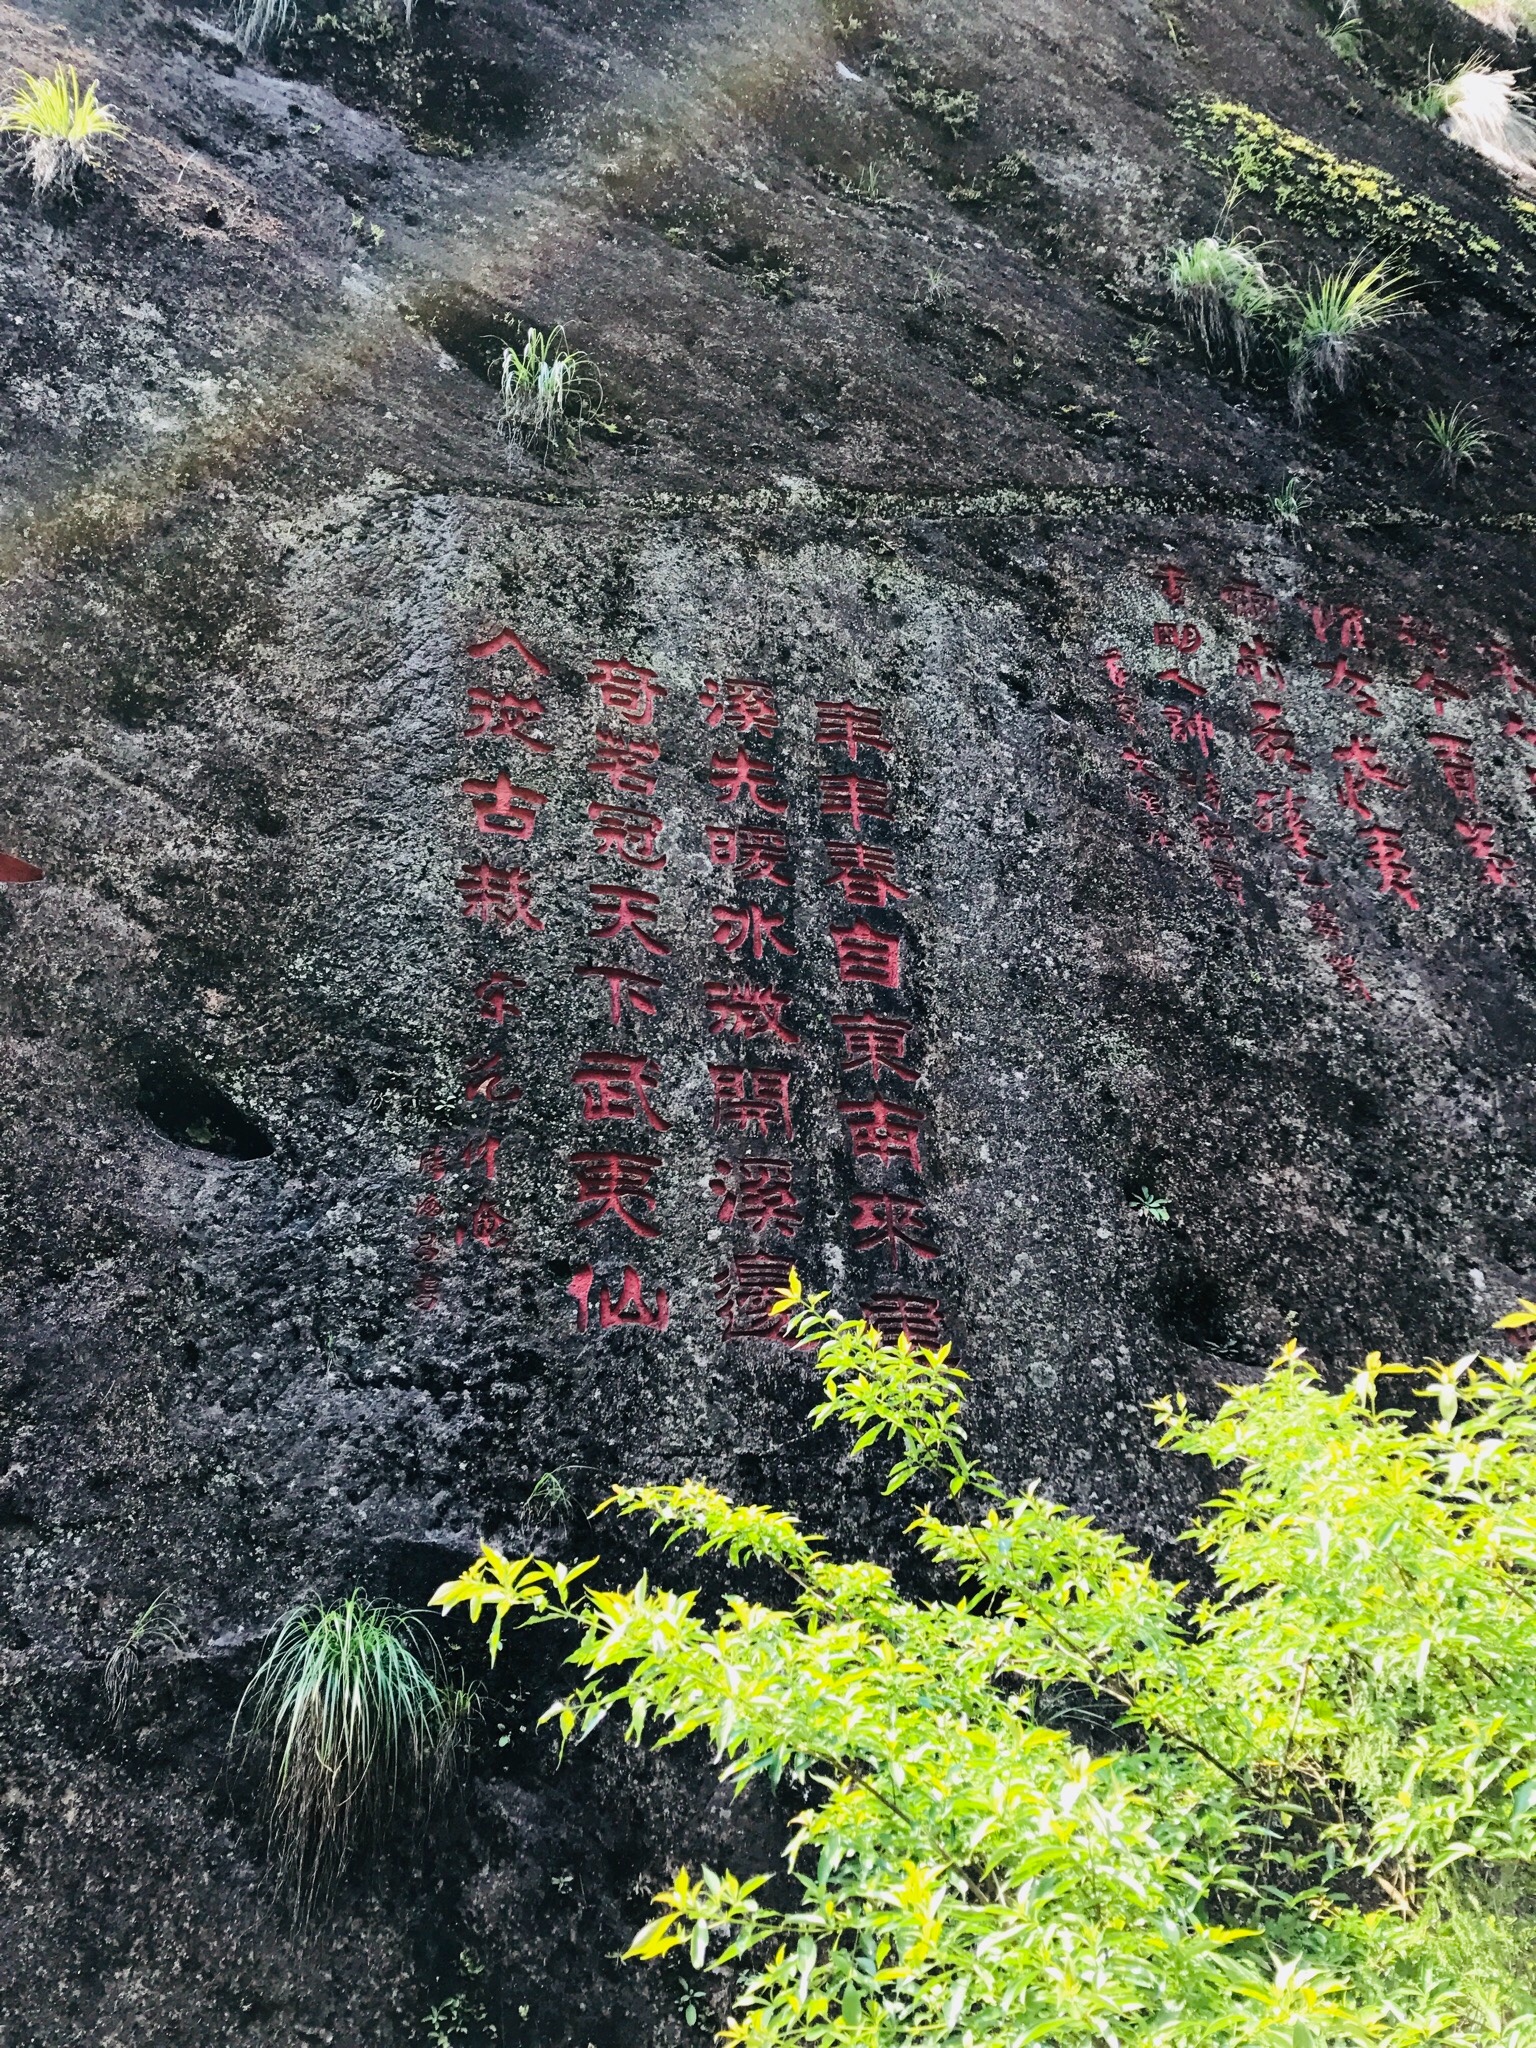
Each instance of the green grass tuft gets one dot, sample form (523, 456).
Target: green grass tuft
(549, 392)
(1333, 319)
(1458, 437)
(1221, 289)
(352, 1716)
(57, 124)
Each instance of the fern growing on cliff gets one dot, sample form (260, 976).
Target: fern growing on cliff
(1058, 1799)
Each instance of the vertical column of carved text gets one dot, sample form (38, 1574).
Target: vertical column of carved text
(1452, 748)
(615, 1171)
(888, 1223)
(496, 894)
(752, 1115)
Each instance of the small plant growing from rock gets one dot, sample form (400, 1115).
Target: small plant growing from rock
(157, 1629)
(1507, 16)
(1333, 320)
(351, 1714)
(939, 290)
(57, 123)
(1289, 503)
(549, 392)
(1345, 34)
(1483, 109)
(1222, 291)
(1458, 437)
(260, 22)
(1149, 1207)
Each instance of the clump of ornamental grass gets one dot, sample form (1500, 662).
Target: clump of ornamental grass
(352, 1717)
(1509, 17)
(1458, 437)
(1345, 34)
(549, 392)
(1221, 289)
(57, 124)
(157, 1630)
(1483, 109)
(1334, 318)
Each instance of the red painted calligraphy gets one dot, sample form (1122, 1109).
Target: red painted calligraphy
(1175, 633)
(503, 715)
(1120, 683)
(1171, 580)
(1362, 766)
(913, 1316)
(745, 1292)
(482, 1152)
(1387, 859)
(736, 1007)
(499, 896)
(1502, 668)
(494, 996)
(876, 1045)
(616, 1184)
(1498, 870)
(865, 874)
(1349, 619)
(855, 797)
(758, 855)
(630, 692)
(752, 925)
(895, 1222)
(1413, 632)
(1436, 688)
(758, 1194)
(1291, 823)
(1458, 771)
(625, 761)
(1272, 739)
(503, 809)
(850, 726)
(1255, 664)
(1359, 687)
(884, 1130)
(499, 643)
(627, 910)
(863, 954)
(616, 1088)
(754, 1100)
(629, 1312)
(487, 1080)
(486, 1226)
(736, 701)
(1249, 600)
(630, 836)
(1184, 726)
(1175, 679)
(742, 775)
(625, 985)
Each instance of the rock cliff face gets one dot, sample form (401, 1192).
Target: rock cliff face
(899, 800)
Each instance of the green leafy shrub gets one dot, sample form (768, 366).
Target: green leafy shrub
(1071, 1802)
(350, 1714)
(57, 124)
(1222, 291)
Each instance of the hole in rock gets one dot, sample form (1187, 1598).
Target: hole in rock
(191, 1111)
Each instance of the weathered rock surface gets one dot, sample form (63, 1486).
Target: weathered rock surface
(899, 417)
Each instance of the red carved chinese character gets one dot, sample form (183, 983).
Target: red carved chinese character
(482, 1152)
(1457, 768)
(486, 1080)
(615, 1184)
(1120, 683)
(428, 1207)
(1176, 679)
(1349, 619)
(1249, 600)
(500, 896)
(632, 692)
(855, 797)
(1213, 832)
(1190, 725)
(628, 763)
(1359, 687)
(752, 1099)
(1388, 861)
(757, 1193)
(1272, 739)
(628, 1313)
(1139, 764)
(883, 1130)
(503, 715)
(734, 700)
(863, 954)
(1171, 581)
(1412, 632)
(494, 996)
(14, 869)
(1227, 876)
(1255, 664)
(499, 643)
(1525, 734)
(1498, 869)
(434, 1162)
(1146, 797)
(426, 1290)
(758, 854)
(630, 836)
(1439, 690)
(913, 1316)
(627, 910)
(624, 985)
(616, 1088)
(850, 726)
(865, 874)
(896, 1222)
(1362, 766)
(1292, 823)
(1204, 786)
(1174, 633)
(734, 928)
(749, 1012)
(741, 774)
(745, 1292)
(875, 1044)
(429, 1246)
(1324, 922)
(1501, 665)
(1343, 965)
(503, 809)
(486, 1225)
